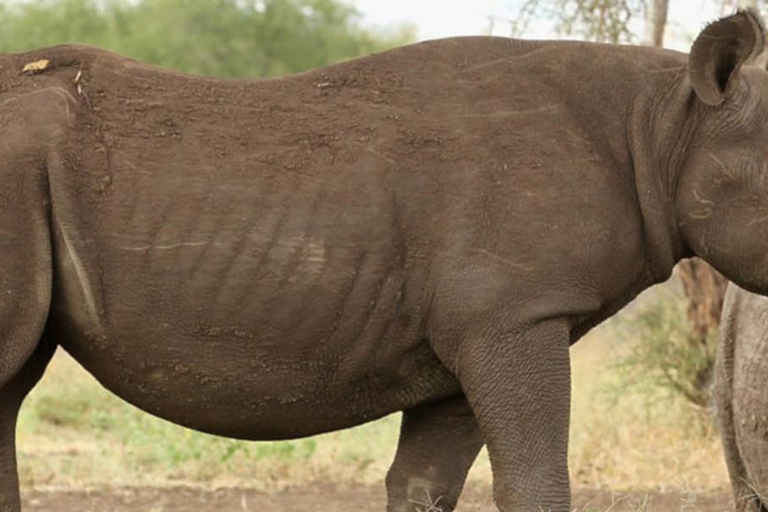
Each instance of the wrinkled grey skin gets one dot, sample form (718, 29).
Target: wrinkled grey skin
(741, 397)
(426, 230)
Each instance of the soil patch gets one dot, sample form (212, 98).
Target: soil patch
(329, 498)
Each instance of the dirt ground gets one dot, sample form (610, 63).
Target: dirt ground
(321, 498)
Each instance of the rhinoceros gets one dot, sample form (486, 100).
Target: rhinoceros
(741, 373)
(425, 230)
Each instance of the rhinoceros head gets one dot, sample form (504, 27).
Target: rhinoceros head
(721, 194)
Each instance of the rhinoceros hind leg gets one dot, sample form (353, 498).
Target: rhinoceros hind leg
(12, 395)
(438, 443)
(26, 275)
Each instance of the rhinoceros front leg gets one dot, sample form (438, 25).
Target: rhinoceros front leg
(438, 443)
(517, 381)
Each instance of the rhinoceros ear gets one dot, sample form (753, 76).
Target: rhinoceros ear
(720, 51)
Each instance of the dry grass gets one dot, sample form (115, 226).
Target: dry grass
(74, 434)
(631, 440)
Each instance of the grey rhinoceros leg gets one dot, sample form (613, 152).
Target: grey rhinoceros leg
(517, 381)
(748, 494)
(745, 495)
(438, 443)
(25, 279)
(11, 397)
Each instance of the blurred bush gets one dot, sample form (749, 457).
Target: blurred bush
(663, 352)
(228, 38)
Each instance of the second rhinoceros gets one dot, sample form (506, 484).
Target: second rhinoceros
(741, 396)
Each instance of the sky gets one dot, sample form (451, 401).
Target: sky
(446, 18)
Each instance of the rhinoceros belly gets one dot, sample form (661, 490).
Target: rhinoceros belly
(258, 339)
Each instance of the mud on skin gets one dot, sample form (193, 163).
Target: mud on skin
(425, 230)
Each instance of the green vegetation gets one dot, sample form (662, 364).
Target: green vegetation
(231, 38)
(73, 431)
(622, 425)
(664, 354)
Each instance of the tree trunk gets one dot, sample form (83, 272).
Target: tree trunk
(705, 289)
(658, 18)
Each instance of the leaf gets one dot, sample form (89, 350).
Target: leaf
(36, 67)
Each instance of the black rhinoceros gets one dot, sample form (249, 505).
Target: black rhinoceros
(425, 230)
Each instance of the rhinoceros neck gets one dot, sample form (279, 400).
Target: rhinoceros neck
(660, 130)
(632, 104)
